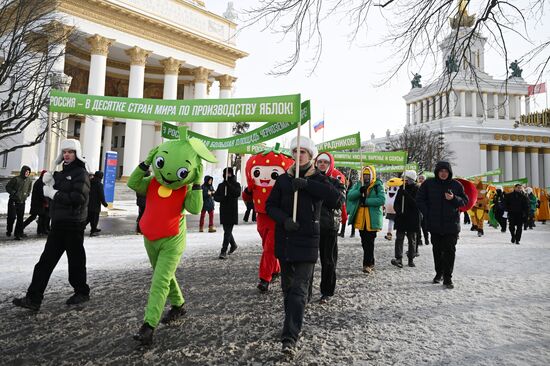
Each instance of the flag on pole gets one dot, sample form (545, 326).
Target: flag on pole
(318, 126)
(536, 89)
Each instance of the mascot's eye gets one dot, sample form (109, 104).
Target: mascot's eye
(274, 175)
(159, 162)
(256, 173)
(182, 173)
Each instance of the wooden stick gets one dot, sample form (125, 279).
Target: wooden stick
(295, 206)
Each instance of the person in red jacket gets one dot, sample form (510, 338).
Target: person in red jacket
(261, 172)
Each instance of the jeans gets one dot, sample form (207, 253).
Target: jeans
(328, 252)
(295, 282)
(367, 241)
(210, 218)
(444, 248)
(400, 238)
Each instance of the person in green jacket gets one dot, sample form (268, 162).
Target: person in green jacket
(364, 203)
(533, 205)
(19, 189)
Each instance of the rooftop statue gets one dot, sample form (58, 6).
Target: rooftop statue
(516, 71)
(415, 82)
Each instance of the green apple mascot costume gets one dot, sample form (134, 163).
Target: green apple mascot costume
(175, 186)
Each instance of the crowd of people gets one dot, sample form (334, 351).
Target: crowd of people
(299, 215)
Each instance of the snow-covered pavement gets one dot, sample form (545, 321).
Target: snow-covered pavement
(498, 314)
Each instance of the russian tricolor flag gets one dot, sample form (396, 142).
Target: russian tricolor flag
(319, 125)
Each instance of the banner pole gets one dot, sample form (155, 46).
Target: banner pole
(295, 206)
(227, 171)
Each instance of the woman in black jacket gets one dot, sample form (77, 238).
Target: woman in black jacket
(227, 194)
(39, 207)
(97, 198)
(207, 204)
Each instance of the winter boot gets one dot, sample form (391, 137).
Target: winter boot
(173, 314)
(77, 299)
(411, 263)
(201, 229)
(211, 229)
(437, 278)
(233, 248)
(388, 236)
(263, 286)
(473, 228)
(448, 284)
(397, 262)
(480, 233)
(145, 335)
(25, 302)
(223, 255)
(289, 347)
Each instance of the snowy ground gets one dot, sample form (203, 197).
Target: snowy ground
(497, 314)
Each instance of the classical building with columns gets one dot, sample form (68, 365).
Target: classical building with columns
(479, 116)
(165, 49)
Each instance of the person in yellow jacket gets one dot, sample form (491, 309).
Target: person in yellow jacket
(364, 203)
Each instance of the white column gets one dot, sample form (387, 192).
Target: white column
(413, 113)
(437, 99)
(527, 104)
(138, 57)
(522, 173)
(507, 106)
(201, 83)
(96, 86)
(508, 170)
(462, 104)
(495, 105)
(408, 114)
(485, 105)
(494, 161)
(534, 152)
(518, 106)
(225, 129)
(546, 152)
(419, 112)
(158, 136)
(107, 137)
(433, 101)
(483, 157)
(474, 104)
(452, 103)
(170, 87)
(426, 104)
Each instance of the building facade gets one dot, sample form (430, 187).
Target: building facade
(165, 49)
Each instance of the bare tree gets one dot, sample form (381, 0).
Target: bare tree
(238, 129)
(415, 29)
(424, 147)
(30, 39)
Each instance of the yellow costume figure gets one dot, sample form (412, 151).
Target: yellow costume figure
(480, 209)
(543, 212)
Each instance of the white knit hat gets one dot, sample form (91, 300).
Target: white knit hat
(323, 156)
(529, 190)
(70, 144)
(305, 143)
(411, 174)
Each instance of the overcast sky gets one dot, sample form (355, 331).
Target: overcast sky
(343, 87)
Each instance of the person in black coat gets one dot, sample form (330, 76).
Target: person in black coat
(69, 192)
(227, 194)
(297, 242)
(439, 200)
(39, 207)
(207, 204)
(97, 198)
(407, 219)
(499, 206)
(517, 205)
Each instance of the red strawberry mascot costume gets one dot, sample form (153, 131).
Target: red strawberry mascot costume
(261, 172)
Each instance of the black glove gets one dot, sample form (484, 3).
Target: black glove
(298, 184)
(363, 189)
(290, 225)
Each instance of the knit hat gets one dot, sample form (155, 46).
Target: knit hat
(305, 143)
(323, 156)
(411, 174)
(70, 144)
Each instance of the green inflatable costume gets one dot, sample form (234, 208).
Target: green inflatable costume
(176, 165)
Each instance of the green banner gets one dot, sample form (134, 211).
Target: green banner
(396, 168)
(284, 108)
(341, 143)
(305, 113)
(486, 174)
(428, 175)
(511, 183)
(375, 158)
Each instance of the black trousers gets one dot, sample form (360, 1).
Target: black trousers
(247, 213)
(328, 251)
(367, 241)
(399, 240)
(15, 211)
(501, 220)
(141, 211)
(228, 237)
(43, 222)
(516, 225)
(295, 281)
(444, 249)
(93, 219)
(62, 238)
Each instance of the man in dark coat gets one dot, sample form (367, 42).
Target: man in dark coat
(407, 219)
(97, 198)
(227, 194)
(39, 207)
(297, 242)
(499, 207)
(19, 189)
(69, 191)
(207, 204)
(439, 200)
(517, 205)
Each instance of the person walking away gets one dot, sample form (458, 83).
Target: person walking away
(533, 205)
(249, 208)
(330, 222)
(97, 199)
(499, 206)
(365, 202)
(407, 219)
(39, 207)
(423, 225)
(19, 188)
(439, 200)
(297, 242)
(207, 204)
(227, 194)
(517, 206)
(69, 192)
